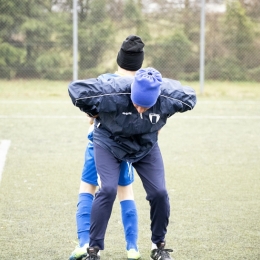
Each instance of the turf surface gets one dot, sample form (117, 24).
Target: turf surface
(212, 162)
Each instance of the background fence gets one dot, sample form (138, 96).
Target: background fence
(36, 37)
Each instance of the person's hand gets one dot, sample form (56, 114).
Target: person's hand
(91, 120)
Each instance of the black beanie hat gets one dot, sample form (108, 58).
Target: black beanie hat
(131, 55)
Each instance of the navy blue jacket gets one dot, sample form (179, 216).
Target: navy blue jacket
(119, 127)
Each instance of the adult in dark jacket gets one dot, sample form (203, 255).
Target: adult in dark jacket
(131, 111)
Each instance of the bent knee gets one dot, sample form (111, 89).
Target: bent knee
(109, 192)
(159, 194)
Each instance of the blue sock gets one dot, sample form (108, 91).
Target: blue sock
(83, 217)
(130, 222)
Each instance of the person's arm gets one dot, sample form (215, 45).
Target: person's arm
(94, 96)
(86, 95)
(177, 98)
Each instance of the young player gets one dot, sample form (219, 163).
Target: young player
(129, 59)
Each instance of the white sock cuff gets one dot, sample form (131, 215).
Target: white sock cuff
(154, 246)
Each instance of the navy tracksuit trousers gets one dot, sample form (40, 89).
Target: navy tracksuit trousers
(151, 171)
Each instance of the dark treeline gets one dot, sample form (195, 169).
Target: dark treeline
(36, 37)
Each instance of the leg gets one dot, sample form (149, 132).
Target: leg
(108, 168)
(87, 190)
(130, 221)
(125, 192)
(128, 208)
(129, 218)
(85, 187)
(84, 206)
(86, 194)
(151, 171)
(126, 178)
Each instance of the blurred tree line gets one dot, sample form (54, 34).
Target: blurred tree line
(36, 37)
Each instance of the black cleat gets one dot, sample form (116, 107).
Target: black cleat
(92, 253)
(160, 253)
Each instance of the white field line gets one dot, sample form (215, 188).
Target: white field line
(40, 117)
(84, 117)
(4, 146)
(35, 101)
(70, 102)
(216, 117)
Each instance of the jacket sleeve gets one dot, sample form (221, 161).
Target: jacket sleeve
(177, 98)
(86, 95)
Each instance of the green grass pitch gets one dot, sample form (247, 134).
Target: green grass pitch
(212, 163)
